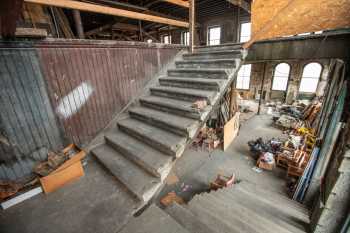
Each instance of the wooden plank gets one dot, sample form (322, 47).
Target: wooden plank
(277, 18)
(231, 130)
(179, 3)
(31, 32)
(109, 11)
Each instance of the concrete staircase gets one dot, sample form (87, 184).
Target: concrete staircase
(143, 147)
(241, 208)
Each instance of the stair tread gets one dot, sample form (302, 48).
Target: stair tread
(149, 157)
(200, 70)
(187, 219)
(285, 219)
(272, 196)
(153, 220)
(195, 80)
(179, 122)
(211, 218)
(186, 91)
(169, 140)
(207, 60)
(231, 211)
(138, 181)
(215, 52)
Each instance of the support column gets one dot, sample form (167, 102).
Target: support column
(78, 24)
(262, 88)
(192, 24)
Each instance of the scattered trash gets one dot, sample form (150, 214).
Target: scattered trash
(222, 181)
(199, 104)
(257, 170)
(170, 198)
(172, 179)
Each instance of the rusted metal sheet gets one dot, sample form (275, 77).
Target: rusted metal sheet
(55, 92)
(91, 82)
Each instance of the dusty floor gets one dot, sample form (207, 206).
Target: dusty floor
(196, 169)
(96, 204)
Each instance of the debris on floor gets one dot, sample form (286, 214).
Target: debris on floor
(222, 181)
(171, 198)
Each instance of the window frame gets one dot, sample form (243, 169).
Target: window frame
(288, 77)
(250, 75)
(318, 80)
(240, 31)
(183, 38)
(208, 34)
(163, 38)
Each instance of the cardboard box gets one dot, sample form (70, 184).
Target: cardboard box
(266, 166)
(69, 171)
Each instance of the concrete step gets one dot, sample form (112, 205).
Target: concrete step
(195, 83)
(139, 182)
(154, 161)
(285, 220)
(224, 54)
(185, 218)
(212, 219)
(245, 219)
(153, 220)
(274, 198)
(210, 63)
(183, 93)
(200, 73)
(162, 140)
(177, 124)
(178, 107)
(221, 47)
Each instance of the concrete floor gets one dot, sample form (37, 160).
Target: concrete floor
(96, 203)
(196, 169)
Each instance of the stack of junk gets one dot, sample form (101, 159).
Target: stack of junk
(294, 153)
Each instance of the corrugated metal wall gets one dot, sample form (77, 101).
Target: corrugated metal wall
(62, 91)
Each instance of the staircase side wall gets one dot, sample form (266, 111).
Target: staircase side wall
(55, 92)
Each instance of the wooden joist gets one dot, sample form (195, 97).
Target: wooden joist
(178, 2)
(31, 32)
(241, 3)
(82, 6)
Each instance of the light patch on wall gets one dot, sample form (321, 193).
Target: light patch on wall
(71, 103)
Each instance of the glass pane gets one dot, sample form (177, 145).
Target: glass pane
(312, 70)
(214, 35)
(311, 75)
(245, 32)
(280, 77)
(243, 77)
(308, 85)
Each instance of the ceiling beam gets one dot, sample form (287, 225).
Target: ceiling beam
(109, 11)
(185, 4)
(241, 3)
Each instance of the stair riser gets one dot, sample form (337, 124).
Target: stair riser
(178, 96)
(224, 65)
(132, 157)
(147, 140)
(201, 86)
(178, 112)
(211, 56)
(218, 48)
(159, 124)
(219, 75)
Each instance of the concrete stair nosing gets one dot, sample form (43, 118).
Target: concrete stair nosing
(177, 124)
(153, 161)
(138, 181)
(272, 213)
(164, 141)
(210, 63)
(194, 83)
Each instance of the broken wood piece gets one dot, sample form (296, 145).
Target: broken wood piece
(170, 198)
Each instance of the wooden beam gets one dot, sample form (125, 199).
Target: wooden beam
(241, 3)
(178, 2)
(31, 32)
(109, 11)
(192, 24)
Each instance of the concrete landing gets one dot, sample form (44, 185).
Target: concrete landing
(94, 203)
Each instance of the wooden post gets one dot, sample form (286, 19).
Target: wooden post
(192, 24)
(261, 88)
(78, 24)
(233, 100)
